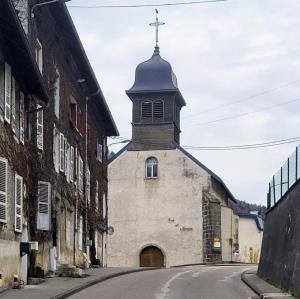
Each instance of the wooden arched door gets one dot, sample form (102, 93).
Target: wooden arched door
(152, 257)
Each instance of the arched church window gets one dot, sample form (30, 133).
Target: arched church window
(151, 167)
(147, 109)
(158, 109)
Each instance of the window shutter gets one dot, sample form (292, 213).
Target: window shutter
(72, 164)
(61, 152)
(104, 204)
(13, 104)
(22, 117)
(88, 186)
(67, 157)
(158, 110)
(56, 149)
(7, 88)
(80, 235)
(3, 190)
(99, 152)
(147, 109)
(80, 174)
(2, 90)
(57, 94)
(97, 196)
(40, 128)
(44, 206)
(18, 203)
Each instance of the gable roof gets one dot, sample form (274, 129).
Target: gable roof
(16, 41)
(210, 172)
(258, 220)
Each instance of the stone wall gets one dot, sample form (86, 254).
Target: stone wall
(280, 257)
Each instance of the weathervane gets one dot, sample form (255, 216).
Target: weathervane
(156, 24)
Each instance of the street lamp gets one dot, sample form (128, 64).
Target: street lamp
(44, 3)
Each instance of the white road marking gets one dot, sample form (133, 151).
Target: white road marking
(164, 292)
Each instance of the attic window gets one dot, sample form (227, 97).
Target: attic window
(158, 109)
(147, 109)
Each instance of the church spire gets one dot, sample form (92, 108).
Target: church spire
(156, 24)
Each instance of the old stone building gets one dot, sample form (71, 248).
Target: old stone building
(165, 206)
(53, 150)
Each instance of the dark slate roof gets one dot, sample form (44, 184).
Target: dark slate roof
(73, 42)
(257, 218)
(154, 74)
(16, 42)
(211, 173)
(119, 153)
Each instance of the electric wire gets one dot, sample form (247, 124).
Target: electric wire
(219, 148)
(147, 5)
(243, 114)
(244, 99)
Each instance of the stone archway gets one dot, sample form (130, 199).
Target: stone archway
(152, 256)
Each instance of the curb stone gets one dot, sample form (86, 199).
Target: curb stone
(88, 284)
(263, 293)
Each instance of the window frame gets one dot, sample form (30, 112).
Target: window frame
(148, 163)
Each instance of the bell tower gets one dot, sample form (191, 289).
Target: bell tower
(157, 102)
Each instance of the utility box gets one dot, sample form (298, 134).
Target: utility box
(24, 248)
(34, 245)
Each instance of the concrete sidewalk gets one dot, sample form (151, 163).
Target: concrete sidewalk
(62, 287)
(262, 288)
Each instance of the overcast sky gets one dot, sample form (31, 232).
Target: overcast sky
(220, 52)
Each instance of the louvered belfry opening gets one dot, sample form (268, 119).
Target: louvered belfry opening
(147, 110)
(158, 110)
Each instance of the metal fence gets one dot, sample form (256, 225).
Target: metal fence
(285, 178)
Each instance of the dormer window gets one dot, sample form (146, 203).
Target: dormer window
(151, 168)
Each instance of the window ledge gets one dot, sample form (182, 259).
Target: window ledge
(151, 178)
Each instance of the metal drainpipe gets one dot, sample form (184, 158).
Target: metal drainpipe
(86, 170)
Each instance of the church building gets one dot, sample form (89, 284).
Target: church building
(165, 206)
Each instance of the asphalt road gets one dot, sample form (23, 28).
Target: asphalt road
(195, 282)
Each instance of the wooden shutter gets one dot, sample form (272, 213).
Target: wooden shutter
(22, 117)
(56, 149)
(147, 109)
(40, 128)
(80, 235)
(7, 88)
(88, 186)
(97, 196)
(99, 152)
(2, 90)
(3, 190)
(61, 152)
(44, 206)
(72, 164)
(80, 174)
(18, 203)
(13, 104)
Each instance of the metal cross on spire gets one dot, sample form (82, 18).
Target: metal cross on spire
(156, 24)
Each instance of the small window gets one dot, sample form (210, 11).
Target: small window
(147, 109)
(158, 109)
(73, 111)
(151, 168)
(39, 55)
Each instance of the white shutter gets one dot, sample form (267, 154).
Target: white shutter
(88, 186)
(80, 173)
(99, 152)
(72, 164)
(97, 196)
(56, 149)
(80, 229)
(3, 190)
(61, 152)
(22, 117)
(18, 203)
(104, 205)
(57, 93)
(13, 104)
(44, 206)
(40, 128)
(7, 88)
(67, 160)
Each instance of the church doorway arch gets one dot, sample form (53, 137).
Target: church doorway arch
(152, 256)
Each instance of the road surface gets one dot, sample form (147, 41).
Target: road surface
(193, 282)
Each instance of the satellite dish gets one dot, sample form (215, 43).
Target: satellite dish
(110, 230)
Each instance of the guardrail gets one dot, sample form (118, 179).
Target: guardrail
(284, 179)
